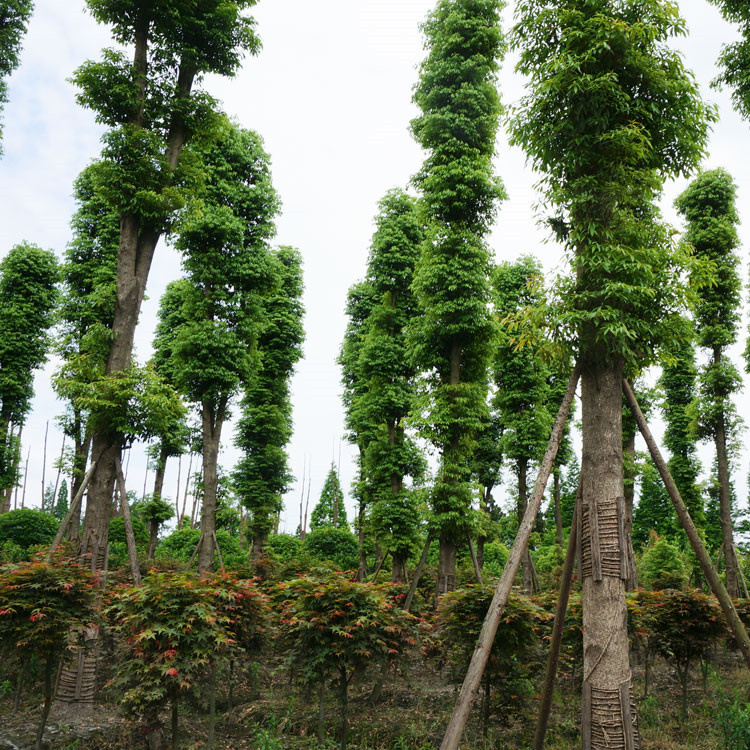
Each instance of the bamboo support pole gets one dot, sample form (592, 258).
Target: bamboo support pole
(135, 571)
(718, 588)
(71, 512)
(474, 561)
(418, 573)
(472, 681)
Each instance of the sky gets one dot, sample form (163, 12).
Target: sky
(330, 93)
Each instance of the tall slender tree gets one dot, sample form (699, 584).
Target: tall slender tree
(521, 378)
(610, 112)
(14, 18)
(388, 377)
(28, 293)
(153, 107)
(262, 475)
(735, 57)
(225, 249)
(330, 509)
(451, 338)
(709, 208)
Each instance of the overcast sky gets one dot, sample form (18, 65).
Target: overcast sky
(330, 93)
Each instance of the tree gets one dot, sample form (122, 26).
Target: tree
(224, 242)
(487, 463)
(61, 505)
(388, 389)
(654, 511)
(330, 509)
(262, 474)
(735, 57)
(334, 629)
(521, 379)
(86, 312)
(28, 293)
(39, 602)
(14, 18)
(708, 205)
(611, 112)
(152, 108)
(27, 527)
(450, 339)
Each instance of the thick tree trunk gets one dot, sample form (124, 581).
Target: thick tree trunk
(211, 437)
(725, 509)
(398, 570)
(608, 708)
(99, 503)
(446, 579)
(259, 544)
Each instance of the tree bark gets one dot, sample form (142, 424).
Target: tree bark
(527, 574)
(212, 424)
(446, 579)
(557, 505)
(48, 665)
(129, 535)
(606, 649)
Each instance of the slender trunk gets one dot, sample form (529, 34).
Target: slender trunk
(177, 493)
(129, 536)
(211, 707)
(175, 722)
(25, 476)
(474, 560)
(80, 459)
(321, 714)
(44, 462)
(362, 574)
(301, 503)
(48, 667)
(725, 500)
(59, 473)
(628, 449)
(19, 688)
(307, 504)
(418, 573)
(527, 576)
(558, 506)
(606, 657)
(212, 424)
(344, 698)
(181, 516)
(486, 712)
(153, 525)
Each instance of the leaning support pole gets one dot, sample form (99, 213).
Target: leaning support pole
(418, 572)
(720, 592)
(557, 628)
(135, 571)
(71, 512)
(473, 678)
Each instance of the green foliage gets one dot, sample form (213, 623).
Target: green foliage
(27, 527)
(28, 293)
(180, 545)
(156, 510)
(495, 556)
(734, 720)
(611, 112)
(450, 338)
(334, 625)
(735, 57)
(284, 547)
(516, 654)
(262, 474)
(117, 530)
(16, 14)
(330, 509)
(338, 545)
(662, 565)
(654, 510)
(174, 628)
(61, 505)
(39, 602)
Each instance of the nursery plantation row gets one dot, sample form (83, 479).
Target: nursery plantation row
(519, 571)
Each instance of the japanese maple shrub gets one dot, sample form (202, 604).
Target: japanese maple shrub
(39, 603)
(175, 630)
(334, 628)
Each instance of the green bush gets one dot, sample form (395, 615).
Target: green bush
(338, 546)
(26, 527)
(117, 531)
(283, 547)
(495, 557)
(181, 544)
(662, 566)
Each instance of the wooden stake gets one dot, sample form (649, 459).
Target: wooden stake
(557, 628)
(473, 678)
(59, 472)
(74, 503)
(135, 571)
(44, 461)
(718, 588)
(475, 562)
(25, 475)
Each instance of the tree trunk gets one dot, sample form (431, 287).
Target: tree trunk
(362, 575)
(398, 570)
(446, 580)
(725, 503)
(260, 540)
(628, 449)
(527, 575)
(344, 700)
(80, 459)
(99, 502)
(48, 666)
(211, 437)
(608, 708)
(558, 506)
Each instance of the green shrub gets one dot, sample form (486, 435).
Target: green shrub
(734, 720)
(180, 545)
(338, 546)
(26, 527)
(662, 566)
(117, 531)
(283, 547)
(495, 557)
